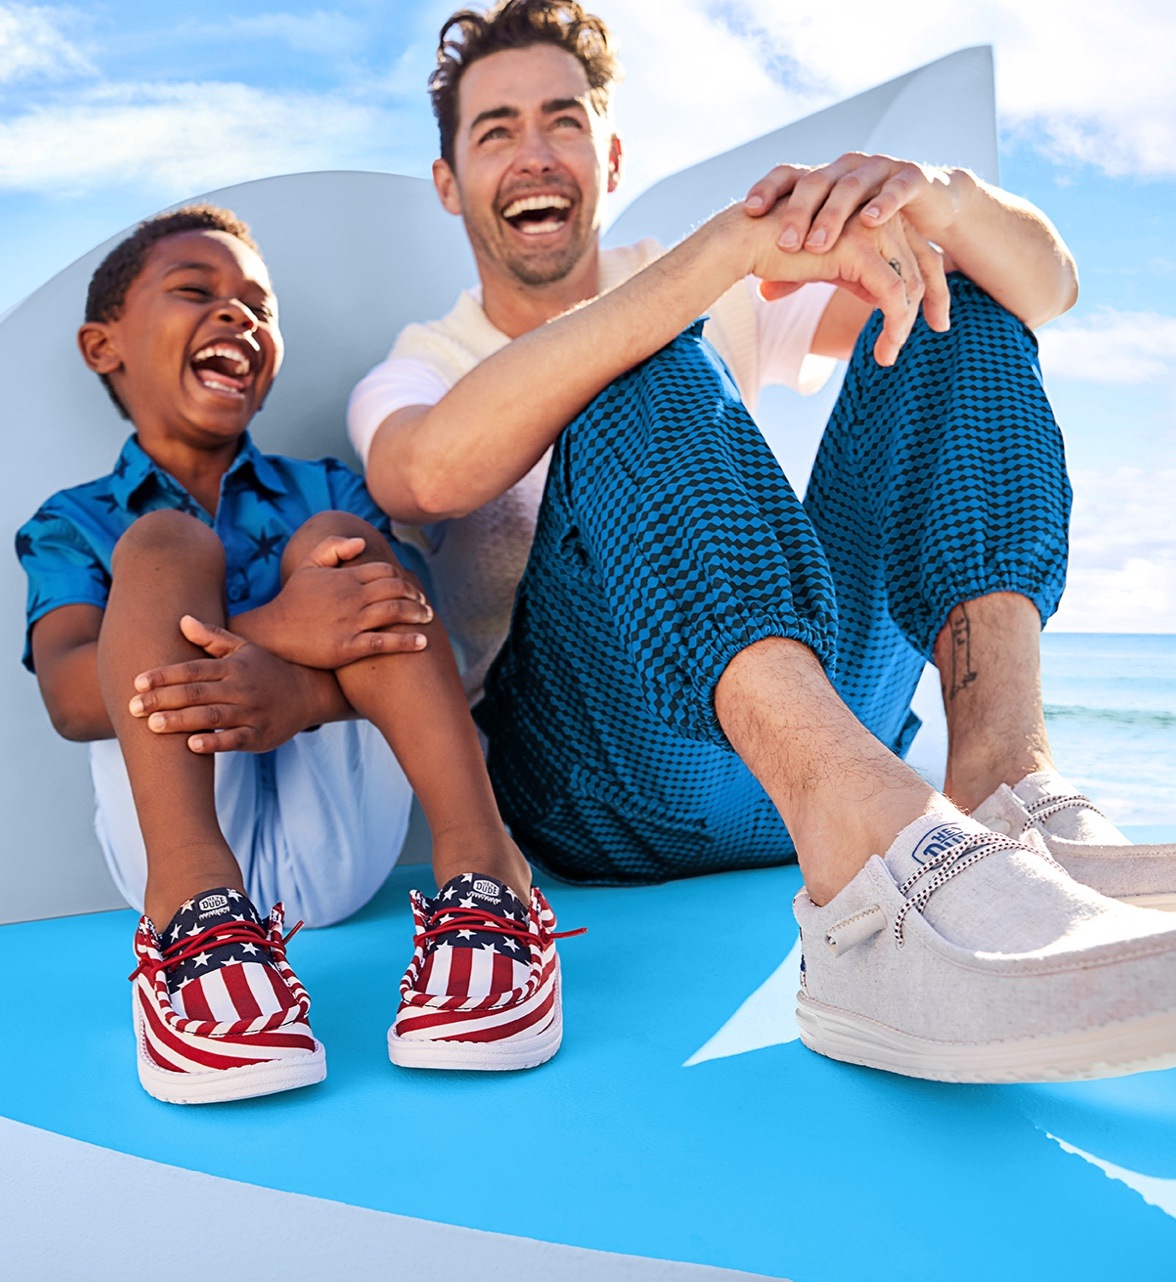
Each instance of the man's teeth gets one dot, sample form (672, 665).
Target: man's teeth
(532, 204)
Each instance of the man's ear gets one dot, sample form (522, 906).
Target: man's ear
(99, 348)
(445, 182)
(614, 162)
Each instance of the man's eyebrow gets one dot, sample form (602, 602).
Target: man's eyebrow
(552, 105)
(494, 113)
(188, 267)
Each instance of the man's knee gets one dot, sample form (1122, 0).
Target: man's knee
(167, 535)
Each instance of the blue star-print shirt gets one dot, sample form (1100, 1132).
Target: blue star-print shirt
(65, 548)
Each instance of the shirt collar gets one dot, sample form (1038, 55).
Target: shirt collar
(135, 470)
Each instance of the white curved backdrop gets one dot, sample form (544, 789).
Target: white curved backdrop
(354, 257)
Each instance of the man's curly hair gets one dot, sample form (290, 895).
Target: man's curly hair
(517, 24)
(119, 270)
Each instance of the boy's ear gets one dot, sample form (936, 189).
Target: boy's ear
(445, 182)
(98, 348)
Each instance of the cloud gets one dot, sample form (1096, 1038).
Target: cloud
(1122, 553)
(318, 32)
(177, 139)
(1084, 82)
(33, 43)
(1111, 346)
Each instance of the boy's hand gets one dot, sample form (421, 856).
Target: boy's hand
(330, 613)
(241, 699)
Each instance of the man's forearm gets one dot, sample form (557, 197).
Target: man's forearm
(1010, 249)
(495, 424)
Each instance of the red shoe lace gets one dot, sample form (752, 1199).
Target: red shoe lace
(486, 923)
(225, 932)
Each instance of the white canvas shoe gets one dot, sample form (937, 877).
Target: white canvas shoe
(1083, 840)
(895, 973)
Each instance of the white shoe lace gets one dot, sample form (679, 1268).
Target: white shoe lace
(941, 868)
(1047, 807)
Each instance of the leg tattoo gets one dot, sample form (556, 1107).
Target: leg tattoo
(961, 650)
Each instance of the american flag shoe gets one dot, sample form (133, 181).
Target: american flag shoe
(482, 989)
(219, 1014)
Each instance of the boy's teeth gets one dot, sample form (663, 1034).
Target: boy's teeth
(236, 360)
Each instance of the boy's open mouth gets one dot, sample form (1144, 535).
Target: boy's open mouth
(536, 215)
(223, 367)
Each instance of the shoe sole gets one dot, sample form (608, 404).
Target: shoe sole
(1166, 903)
(1134, 1047)
(492, 1057)
(221, 1085)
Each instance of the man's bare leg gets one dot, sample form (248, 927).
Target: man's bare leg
(165, 566)
(989, 660)
(842, 794)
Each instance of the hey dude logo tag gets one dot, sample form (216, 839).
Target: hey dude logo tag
(936, 842)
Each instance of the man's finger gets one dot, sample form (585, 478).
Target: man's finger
(846, 195)
(896, 192)
(889, 294)
(937, 295)
(772, 188)
(808, 195)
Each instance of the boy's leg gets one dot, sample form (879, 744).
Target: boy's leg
(165, 566)
(417, 702)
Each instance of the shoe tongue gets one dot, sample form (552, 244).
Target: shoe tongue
(1076, 823)
(478, 892)
(222, 906)
(928, 836)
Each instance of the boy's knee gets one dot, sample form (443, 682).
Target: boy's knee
(169, 534)
(337, 525)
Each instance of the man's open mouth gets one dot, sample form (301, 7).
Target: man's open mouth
(536, 215)
(224, 367)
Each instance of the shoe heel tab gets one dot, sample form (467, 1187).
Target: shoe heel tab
(851, 931)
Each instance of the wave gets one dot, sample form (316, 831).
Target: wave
(1143, 718)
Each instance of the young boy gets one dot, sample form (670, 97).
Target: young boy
(206, 603)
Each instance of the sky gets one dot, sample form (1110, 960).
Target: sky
(112, 111)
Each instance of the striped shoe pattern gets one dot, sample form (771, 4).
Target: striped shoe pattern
(483, 988)
(239, 1031)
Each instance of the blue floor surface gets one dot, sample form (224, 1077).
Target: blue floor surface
(772, 1160)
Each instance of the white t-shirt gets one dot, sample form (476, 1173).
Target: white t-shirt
(476, 561)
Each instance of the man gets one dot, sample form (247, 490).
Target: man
(694, 656)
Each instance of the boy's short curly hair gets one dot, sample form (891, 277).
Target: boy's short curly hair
(517, 24)
(117, 272)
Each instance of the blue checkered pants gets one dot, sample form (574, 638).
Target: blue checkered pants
(669, 540)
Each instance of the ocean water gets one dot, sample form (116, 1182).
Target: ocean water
(1110, 709)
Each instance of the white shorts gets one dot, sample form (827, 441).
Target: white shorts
(318, 823)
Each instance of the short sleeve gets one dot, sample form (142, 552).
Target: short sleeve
(394, 384)
(785, 330)
(62, 569)
(349, 494)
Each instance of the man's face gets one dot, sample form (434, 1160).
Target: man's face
(532, 162)
(196, 346)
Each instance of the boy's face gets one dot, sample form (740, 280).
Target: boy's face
(532, 162)
(197, 345)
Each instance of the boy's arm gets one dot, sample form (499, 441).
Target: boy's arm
(65, 652)
(254, 699)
